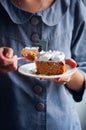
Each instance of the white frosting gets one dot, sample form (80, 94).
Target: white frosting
(29, 48)
(51, 56)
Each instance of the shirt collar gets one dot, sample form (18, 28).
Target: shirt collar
(50, 16)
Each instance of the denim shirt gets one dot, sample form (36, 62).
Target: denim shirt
(28, 103)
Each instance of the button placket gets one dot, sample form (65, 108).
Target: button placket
(35, 37)
(34, 20)
(40, 106)
(37, 89)
(36, 34)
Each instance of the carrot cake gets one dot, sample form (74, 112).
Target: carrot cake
(50, 63)
(47, 62)
(30, 53)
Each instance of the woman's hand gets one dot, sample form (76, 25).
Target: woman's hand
(8, 61)
(66, 79)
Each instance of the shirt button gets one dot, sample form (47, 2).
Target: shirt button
(34, 21)
(40, 106)
(37, 89)
(34, 37)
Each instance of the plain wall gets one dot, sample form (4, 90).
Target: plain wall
(81, 108)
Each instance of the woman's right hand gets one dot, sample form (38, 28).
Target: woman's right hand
(8, 61)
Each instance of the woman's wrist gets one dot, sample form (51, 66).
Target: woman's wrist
(76, 81)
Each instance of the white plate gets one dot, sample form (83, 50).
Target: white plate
(30, 70)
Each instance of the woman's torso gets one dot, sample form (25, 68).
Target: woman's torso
(29, 103)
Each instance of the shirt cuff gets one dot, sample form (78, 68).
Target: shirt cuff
(78, 95)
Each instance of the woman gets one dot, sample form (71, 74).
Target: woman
(30, 103)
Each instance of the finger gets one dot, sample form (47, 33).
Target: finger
(9, 64)
(15, 63)
(59, 82)
(8, 52)
(71, 62)
(8, 68)
(65, 79)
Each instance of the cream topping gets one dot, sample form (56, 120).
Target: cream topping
(51, 56)
(32, 48)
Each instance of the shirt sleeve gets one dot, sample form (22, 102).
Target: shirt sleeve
(78, 45)
(77, 96)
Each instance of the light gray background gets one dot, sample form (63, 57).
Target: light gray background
(84, 1)
(81, 108)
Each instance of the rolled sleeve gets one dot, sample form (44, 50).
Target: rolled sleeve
(78, 96)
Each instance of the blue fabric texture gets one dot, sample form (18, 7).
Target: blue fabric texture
(63, 26)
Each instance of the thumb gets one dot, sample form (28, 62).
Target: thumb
(71, 62)
(8, 52)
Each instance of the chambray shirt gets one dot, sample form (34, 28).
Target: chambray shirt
(28, 103)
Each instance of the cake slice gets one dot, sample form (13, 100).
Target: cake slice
(47, 62)
(30, 53)
(50, 63)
